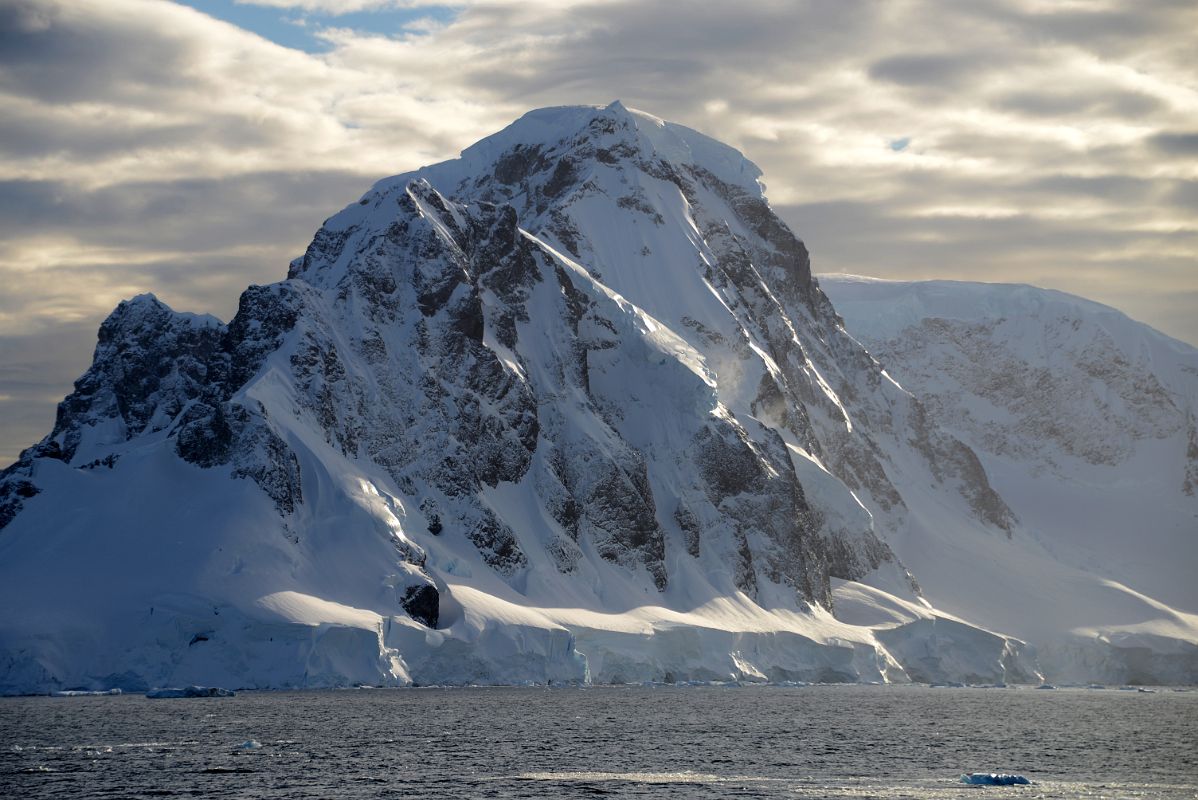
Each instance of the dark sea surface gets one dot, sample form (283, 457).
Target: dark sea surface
(692, 742)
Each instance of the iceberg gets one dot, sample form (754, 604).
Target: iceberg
(994, 779)
(190, 691)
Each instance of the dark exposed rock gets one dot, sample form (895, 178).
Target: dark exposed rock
(496, 543)
(149, 362)
(621, 514)
(754, 486)
(951, 459)
(423, 604)
(1189, 482)
(639, 203)
(231, 434)
(564, 176)
(264, 315)
(156, 369)
(728, 463)
(267, 460)
(689, 525)
(516, 165)
(204, 436)
(14, 490)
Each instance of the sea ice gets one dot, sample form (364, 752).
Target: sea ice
(249, 744)
(994, 779)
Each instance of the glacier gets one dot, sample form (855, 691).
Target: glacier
(570, 408)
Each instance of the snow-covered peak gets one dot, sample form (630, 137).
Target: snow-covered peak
(147, 308)
(611, 134)
(568, 407)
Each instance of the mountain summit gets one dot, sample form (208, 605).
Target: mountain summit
(570, 407)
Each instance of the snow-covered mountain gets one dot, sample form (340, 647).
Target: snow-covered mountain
(1085, 422)
(568, 408)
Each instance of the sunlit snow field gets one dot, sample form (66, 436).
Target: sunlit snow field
(693, 742)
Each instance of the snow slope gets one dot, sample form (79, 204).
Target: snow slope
(1084, 420)
(569, 408)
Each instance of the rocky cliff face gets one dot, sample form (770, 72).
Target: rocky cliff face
(517, 416)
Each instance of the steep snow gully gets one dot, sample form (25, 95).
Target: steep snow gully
(573, 408)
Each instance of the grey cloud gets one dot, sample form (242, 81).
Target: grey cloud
(807, 31)
(31, 135)
(60, 56)
(640, 49)
(1175, 143)
(850, 236)
(1184, 194)
(1101, 25)
(189, 215)
(1121, 189)
(1051, 103)
(927, 70)
(1112, 32)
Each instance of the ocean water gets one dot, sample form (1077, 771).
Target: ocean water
(655, 742)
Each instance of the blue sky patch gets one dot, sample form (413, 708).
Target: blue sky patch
(297, 29)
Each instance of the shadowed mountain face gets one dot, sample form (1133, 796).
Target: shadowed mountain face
(569, 407)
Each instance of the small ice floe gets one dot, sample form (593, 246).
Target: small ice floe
(83, 693)
(1046, 686)
(994, 779)
(190, 691)
(249, 744)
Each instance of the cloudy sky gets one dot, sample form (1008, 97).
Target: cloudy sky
(190, 149)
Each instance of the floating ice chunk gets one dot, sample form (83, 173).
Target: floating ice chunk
(994, 779)
(82, 693)
(191, 691)
(249, 744)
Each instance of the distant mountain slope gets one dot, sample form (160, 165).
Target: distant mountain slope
(1085, 422)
